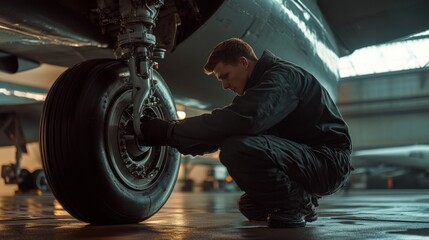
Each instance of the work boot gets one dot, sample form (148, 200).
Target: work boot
(291, 218)
(299, 211)
(251, 210)
(310, 210)
(315, 200)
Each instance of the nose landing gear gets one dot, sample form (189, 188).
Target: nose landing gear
(90, 129)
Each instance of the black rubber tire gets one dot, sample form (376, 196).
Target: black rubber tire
(25, 183)
(82, 168)
(38, 180)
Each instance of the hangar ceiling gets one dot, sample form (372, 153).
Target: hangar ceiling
(357, 24)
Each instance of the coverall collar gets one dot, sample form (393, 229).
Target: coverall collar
(261, 66)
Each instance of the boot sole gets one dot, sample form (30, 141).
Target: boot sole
(311, 218)
(283, 224)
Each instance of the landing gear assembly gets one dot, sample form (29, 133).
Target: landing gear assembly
(14, 173)
(27, 181)
(90, 129)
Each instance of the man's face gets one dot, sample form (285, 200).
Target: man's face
(233, 77)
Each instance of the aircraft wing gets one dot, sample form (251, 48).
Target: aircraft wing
(61, 32)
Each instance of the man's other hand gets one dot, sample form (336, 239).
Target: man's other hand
(154, 131)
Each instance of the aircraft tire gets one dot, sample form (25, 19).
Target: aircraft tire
(95, 167)
(25, 184)
(38, 180)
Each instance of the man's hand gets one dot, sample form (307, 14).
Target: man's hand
(154, 131)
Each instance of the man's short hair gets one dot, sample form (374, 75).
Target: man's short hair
(229, 52)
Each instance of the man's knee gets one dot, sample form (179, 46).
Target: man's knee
(232, 151)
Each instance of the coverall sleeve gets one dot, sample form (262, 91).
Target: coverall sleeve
(259, 109)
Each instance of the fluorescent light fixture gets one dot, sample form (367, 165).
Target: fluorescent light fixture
(397, 56)
(22, 94)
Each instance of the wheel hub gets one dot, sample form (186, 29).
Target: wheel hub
(136, 165)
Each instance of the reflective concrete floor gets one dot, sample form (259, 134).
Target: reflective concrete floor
(358, 215)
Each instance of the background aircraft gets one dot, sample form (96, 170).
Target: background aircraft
(399, 167)
(310, 33)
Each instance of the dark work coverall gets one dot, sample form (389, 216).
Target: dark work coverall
(285, 129)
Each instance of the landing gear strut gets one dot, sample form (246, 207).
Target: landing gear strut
(136, 44)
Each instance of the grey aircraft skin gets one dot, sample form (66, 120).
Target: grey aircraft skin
(310, 33)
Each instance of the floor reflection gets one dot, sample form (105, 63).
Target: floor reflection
(363, 215)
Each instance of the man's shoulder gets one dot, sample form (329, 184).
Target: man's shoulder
(285, 69)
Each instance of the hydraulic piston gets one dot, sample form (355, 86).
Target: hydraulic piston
(137, 45)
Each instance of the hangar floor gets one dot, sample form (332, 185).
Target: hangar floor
(357, 215)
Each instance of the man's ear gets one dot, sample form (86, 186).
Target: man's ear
(244, 62)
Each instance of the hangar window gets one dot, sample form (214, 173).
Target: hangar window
(410, 53)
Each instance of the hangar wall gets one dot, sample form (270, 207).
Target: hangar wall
(387, 110)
